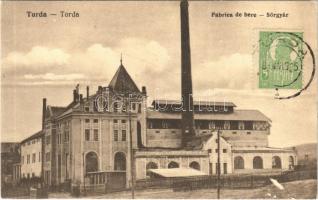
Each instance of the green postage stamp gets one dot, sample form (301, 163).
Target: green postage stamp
(280, 60)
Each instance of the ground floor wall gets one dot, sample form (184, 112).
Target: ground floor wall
(266, 161)
(183, 161)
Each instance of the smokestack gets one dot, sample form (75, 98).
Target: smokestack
(143, 90)
(87, 92)
(43, 112)
(74, 96)
(186, 79)
(100, 88)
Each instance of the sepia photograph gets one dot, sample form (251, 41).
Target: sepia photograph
(181, 99)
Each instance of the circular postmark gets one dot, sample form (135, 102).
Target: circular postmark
(281, 59)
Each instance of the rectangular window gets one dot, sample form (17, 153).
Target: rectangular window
(86, 120)
(209, 150)
(115, 135)
(225, 168)
(241, 126)
(123, 135)
(22, 159)
(216, 150)
(227, 125)
(96, 134)
(48, 139)
(33, 157)
(39, 156)
(216, 168)
(95, 120)
(248, 125)
(139, 108)
(123, 124)
(28, 159)
(248, 133)
(87, 134)
(115, 121)
(47, 157)
(224, 150)
(234, 125)
(86, 109)
(66, 136)
(219, 125)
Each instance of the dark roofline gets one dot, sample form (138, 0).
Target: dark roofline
(36, 135)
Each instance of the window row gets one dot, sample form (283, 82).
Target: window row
(217, 150)
(91, 136)
(258, 162)
(117, 106)
(28, 158)
(63, 137)
(32, 141)
(120, 137)
(95, 121)
(205, 124)
(65, 124)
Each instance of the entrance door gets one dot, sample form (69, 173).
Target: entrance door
(225, 168)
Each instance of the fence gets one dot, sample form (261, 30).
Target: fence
(228, 181)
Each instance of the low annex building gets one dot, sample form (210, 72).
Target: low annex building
(31, 156)
(89, 141)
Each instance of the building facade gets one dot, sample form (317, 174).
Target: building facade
(10, 157)
(31, 156)
(91, 140)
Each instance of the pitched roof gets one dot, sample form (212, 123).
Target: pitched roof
(177, 172)
(237, 115)
(57, 110)
(261, 150)
(35, 135)
(202, 103)
(122, 82)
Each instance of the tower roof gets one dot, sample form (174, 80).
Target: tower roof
(122, 82)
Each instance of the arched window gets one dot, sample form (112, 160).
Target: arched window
(276, 162)
(151, 165)
(91, 162)
(195, 165)
(238, 162)
(257, 162)
(291, 162)
(120, 161)
(173, 164)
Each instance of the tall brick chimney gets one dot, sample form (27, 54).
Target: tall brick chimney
(87, 92)
(186, 79)
(43, 112)
(75, 98)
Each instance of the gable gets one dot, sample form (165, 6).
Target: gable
(212, 143)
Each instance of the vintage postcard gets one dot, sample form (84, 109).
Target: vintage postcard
(159, 99)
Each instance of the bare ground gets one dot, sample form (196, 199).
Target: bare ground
(304, 189)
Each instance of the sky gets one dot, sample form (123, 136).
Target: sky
(47, 57)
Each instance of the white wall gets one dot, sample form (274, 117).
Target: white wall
(34, 147)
